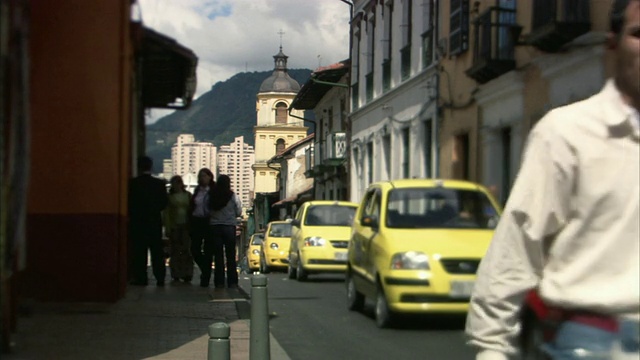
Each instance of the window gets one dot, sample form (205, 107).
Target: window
(443, 208)
(371, 40)
(355, 66)
(370, 162)
(427, 34)
(461, 157)
(279, 146)
(428, 143)
(372, 204)
(329, 215)
(405, 53)
(406, 153)
(459, 26)
(281, 113)
(387, 46)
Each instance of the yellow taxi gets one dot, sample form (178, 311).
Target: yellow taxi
(416, 245)
(274, 251)
(254, 251)
(320, 238)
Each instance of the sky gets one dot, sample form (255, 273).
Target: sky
(233, 36)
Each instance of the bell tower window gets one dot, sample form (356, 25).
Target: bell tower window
(281, 113)
(279, 146)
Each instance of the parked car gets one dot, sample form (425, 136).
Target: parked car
(274, 251)
(253, 252)
(320, 238)
(416, 245)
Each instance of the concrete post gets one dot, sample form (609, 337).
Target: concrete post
(219, 344)
(259, 345)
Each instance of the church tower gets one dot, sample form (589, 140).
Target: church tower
(275, 130)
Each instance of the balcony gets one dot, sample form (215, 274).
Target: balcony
(557, 22)
(336, 147)
(494, 44)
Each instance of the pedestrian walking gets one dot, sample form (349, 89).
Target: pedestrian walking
(199, 229)
(147, 199)
(225, 210)
(176, 224)
(569, 234)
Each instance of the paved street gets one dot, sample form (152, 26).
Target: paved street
(310, 321)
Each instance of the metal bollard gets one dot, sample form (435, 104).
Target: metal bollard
(259, 347)
(219, 344)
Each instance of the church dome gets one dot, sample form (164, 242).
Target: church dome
(280, 81)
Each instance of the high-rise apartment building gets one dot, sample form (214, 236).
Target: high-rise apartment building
(189, 155)
(167, 168)
(235, 160)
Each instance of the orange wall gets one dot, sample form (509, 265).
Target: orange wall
(77, 102)
(81, 81)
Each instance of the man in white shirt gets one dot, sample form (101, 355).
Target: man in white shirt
(570, 229)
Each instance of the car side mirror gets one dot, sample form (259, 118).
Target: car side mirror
(370, 221)
(295, 222)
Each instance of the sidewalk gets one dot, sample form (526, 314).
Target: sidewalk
(151, 322)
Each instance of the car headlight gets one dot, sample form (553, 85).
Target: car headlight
(255, 252)
(314, 241)
(410, 260)
(274, 246)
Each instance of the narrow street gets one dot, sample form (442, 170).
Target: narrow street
(310, 321)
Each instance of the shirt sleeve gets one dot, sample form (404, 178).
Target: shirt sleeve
(537, 209)
(238, 204)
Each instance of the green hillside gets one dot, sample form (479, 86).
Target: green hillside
(226, 111)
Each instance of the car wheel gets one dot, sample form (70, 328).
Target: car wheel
(291, 271)
(355, 299)
(301, 274)
(264, 268)
(382, 312)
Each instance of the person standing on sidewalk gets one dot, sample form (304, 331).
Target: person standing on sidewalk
(147, 199)
(225, 210)
(176, 225)
(570, 229)
(201, 236)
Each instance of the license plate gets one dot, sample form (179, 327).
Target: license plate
(461, 289)
(341, 256)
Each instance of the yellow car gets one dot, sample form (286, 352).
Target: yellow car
(416, 245)
(274, 252)
(320, 238)
(253, 253)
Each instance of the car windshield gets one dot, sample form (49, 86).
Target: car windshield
(330, 215)
(442, 208)
(280, 230)
(257, 239)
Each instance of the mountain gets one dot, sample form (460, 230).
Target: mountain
(226, 111)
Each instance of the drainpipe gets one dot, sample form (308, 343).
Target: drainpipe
(349, 97)
(435, 145)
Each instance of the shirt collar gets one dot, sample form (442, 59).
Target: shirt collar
(616, 112)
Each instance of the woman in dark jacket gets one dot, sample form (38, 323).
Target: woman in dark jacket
(225, 209)
(201, 239)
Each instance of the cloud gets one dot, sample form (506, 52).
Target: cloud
(233, 36)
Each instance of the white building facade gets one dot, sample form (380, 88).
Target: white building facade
(235, 160)
(393, 92)
(189, 155)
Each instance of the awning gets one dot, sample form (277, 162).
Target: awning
(302, 196)
(320, 82)
(285, 201)
(168, 71)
